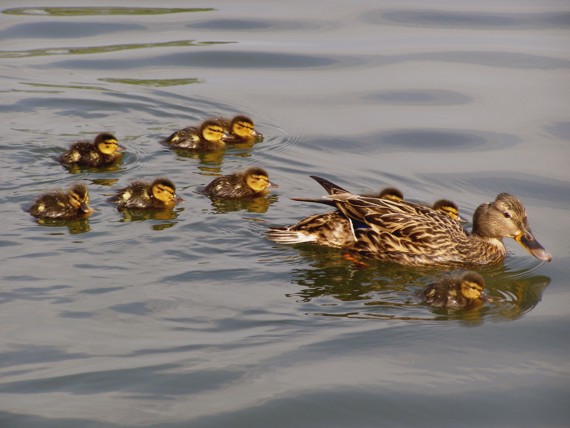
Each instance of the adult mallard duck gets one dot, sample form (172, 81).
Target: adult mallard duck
(103, 151)
(334, 229)
(159, 194)
(456, 292)
(241, 130)
(208, 137)
(68, 205)
(251, 183)
(417, 235)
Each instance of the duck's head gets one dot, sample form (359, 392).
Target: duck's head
(506, 217)
(257, 179)
(79, 197)
(472, 286)
(212, 131)
(243, 127)
(107, 143)
(450, 208)
(392, 194)
(164, 190)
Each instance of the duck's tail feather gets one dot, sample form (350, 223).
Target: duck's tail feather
(330, 187)
(286, 236)
(328, 202)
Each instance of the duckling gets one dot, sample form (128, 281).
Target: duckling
(450, 208)
(68, 205)
(241, 130)
(159, 194)
(331, 229)
(103, 151)
(417, 235)
(251, 183)
(456, 292)
(207, 138)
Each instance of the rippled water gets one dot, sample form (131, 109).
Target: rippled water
(193, 318)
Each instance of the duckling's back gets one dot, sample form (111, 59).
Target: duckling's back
(53, 205)
(136, 195)
(228, 186)
(187, 138)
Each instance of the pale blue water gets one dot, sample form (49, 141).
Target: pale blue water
(196, 319)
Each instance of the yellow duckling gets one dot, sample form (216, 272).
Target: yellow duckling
(159, 194)
(456, 292)
(103, 151)
(241, 130)
(450, 208)
(68, 205)
(207, 138)
(331, 229)
(251, 183)
(416, 235)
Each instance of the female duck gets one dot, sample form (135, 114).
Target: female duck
(159, 194)
(207, 138)
(416, 235)
(241, 130)
(333, 229)
(456, 292)
(250, 183)
(68, 205)
(103, 151)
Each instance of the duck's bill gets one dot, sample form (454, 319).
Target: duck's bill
(527, 241)
(462, 220)
(272, 185)
(84, 207)
(177, 199)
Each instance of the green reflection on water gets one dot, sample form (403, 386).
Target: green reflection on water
(154, 82)
(89, 11)
(101, 49)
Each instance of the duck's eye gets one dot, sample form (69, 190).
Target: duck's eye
(507, 214)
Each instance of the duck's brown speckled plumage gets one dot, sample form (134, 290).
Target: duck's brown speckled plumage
(103, 151)
(455, 292)
(159, 194)
(417, 235)
(208, 137)
(58, 204)
(250, 183)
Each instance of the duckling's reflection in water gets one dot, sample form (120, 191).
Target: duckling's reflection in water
(167, 215)
(256, 205)
(74, 227)
(387, 291)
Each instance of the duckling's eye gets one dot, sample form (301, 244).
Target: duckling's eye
(507, 214)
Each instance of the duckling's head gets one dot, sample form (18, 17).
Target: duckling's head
(243, 127)
(450, 208)
(79, 197)
(257, 179)
(164, 190)
(472, 286)
(392, 194)
(506, 217)
(107, 143)
(212, 131)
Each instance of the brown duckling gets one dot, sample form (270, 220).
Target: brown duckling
(456, 292)
(103, 151)
(159, 194)
(241, 130)
(251, 183)
(68, 205)
(450, 208)
(207, 138)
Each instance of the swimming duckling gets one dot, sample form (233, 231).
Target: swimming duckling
(417, 235)
(68, 205)
(103, 151)
(241, 130)
(456, 292)
(250, 183)
(450, 208)
(159, 194)
(331, 229)
(207, 138)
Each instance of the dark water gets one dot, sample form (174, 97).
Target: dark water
(194, 318)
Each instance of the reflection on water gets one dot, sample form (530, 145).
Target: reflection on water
(94, 11)
(389, 291)
(255, 205)
(73, 226)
